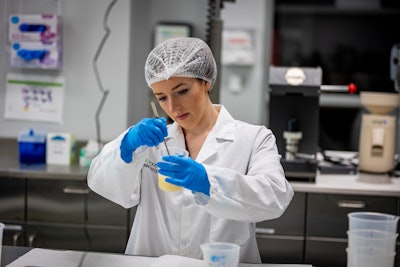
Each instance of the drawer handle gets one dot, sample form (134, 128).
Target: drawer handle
(351, 204)
(75, 190)
(31, 240)
(268, 231)
(12, 227)
(16, 237)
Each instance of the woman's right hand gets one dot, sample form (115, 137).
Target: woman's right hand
(148, 131)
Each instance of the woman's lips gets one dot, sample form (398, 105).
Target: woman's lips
(182, 117)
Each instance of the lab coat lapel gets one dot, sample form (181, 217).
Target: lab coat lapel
(222, 132)
(175, 136)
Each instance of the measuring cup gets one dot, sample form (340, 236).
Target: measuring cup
(220, 254)
(173, 151)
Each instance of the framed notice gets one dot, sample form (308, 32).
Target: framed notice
(238, 47)
(34, 98)
(168, 30)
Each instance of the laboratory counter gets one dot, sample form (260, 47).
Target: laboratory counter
(23, 256)
(357, 184)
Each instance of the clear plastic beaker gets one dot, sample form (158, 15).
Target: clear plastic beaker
(369, 257)
(372, 238)
(220, 254)
(373, 220)
(173, 151)
(1, 238)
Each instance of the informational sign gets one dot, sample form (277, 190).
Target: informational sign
(164, 31)
(238, 47)
(34, 98)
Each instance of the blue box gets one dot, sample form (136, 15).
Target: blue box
(32, 146)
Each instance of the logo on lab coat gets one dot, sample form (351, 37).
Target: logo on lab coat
(152, 166)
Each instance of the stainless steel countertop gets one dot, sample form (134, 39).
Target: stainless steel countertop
(10, 166)
(358, 184)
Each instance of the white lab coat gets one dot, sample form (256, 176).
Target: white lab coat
(247, 186)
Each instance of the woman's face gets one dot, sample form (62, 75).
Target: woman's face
(185, 100)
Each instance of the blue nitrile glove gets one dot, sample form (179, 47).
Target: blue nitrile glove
(148, 131)
(184, 171)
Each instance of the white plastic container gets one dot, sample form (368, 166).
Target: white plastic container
(369, 257)
(372, 238)
(373, 221)
(219, 254)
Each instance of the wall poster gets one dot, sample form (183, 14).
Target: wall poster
(34, 98)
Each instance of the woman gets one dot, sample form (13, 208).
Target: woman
(232, 179)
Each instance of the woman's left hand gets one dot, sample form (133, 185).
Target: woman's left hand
(186, 172)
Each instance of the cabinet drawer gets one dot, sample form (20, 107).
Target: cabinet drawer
(102, 211)
(57, 236)
(326, 253)
(55, 200)
(281, 249)
(327, 213)
(12, 199)
(290, 223)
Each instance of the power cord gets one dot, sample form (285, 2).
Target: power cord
(96, 71)
(98, 111)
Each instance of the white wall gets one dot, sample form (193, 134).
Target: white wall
(250, 103)
(122, 60)
(82, 26)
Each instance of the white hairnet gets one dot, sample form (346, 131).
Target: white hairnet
(180, 57)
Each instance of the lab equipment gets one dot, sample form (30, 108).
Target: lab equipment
(378, 132)
(35, 41)
(369, 257)
(395, 66)
(373, 220)
(88, 152)
(294, 118)
(220, 254)
(195, 60)
(32, 146)
(36, 55)
(173, 151)
(186, 172)
(371, 239)
(60, 148)
(34, 28)
(148, 131)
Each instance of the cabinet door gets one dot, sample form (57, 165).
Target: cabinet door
(281, 240)
(327, 213)
(102, 211)
(326, 253)
(12, 210)
(12, 200)
(327, 224)
(52, 201)
(76, 237)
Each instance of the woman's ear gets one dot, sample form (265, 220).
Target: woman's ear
(208, 86)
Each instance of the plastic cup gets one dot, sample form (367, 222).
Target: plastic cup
(1, 238)
(173, 151)
(369, 257)
(219, 254)
(372, 238)
(373, 221)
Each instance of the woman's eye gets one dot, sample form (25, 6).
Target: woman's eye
(182, 92)
(163, 98)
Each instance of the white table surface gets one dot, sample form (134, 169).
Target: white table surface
(67, 258)
(357, 184)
